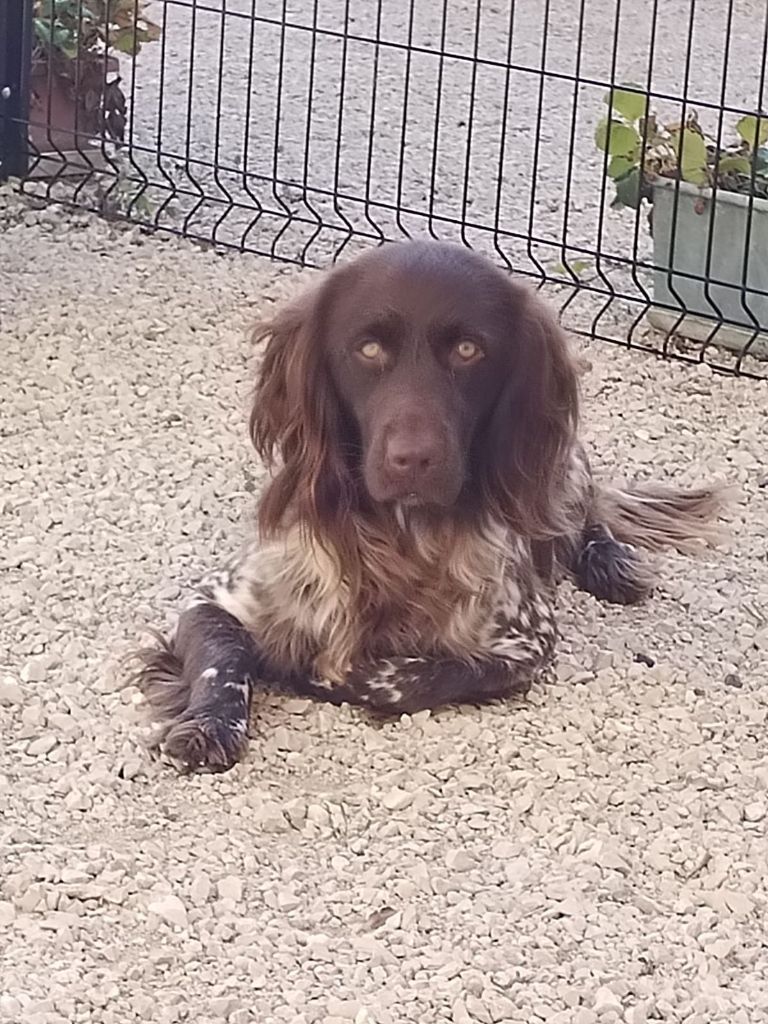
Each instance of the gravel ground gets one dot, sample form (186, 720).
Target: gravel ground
(594, 855)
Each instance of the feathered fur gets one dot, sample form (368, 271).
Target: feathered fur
(656, 517)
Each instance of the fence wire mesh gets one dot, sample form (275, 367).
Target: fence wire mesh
(613, 151)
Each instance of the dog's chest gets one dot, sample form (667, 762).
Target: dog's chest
(291, 597)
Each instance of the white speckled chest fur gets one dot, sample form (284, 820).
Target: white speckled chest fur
(293, 596)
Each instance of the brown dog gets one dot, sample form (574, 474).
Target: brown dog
(429, 492)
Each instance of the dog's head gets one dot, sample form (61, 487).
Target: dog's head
(417, 375)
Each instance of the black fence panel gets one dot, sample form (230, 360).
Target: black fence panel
(613, 151)
(15, 44)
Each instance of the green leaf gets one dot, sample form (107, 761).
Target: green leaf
(754, 130)
(618, 166)
(735, 165)
(615, 138)
(579, 266)
(573, 267)
(125, 40)
(63, 37)
(691, 152)
(628, 190)
(42, 31)
(632, 105)
(60, 37)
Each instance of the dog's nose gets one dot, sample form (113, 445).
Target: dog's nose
(409, 456)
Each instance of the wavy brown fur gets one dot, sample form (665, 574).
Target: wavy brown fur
(655, 517)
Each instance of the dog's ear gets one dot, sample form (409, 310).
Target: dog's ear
(279, 377)
(296, 420)
(524, 455)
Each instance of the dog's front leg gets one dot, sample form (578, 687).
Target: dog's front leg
(199, 686)
(406, 685)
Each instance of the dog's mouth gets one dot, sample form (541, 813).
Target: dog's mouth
(411, 500)
(413, 494)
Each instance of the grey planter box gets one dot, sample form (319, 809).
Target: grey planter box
(704, 305)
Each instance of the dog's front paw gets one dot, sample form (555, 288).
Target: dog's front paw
(204, 742)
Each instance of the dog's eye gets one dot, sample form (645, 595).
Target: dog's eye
(371, 350)
(468, 352)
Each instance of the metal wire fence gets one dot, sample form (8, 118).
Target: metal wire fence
(613, 151)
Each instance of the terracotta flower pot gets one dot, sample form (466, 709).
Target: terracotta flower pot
(66, 115)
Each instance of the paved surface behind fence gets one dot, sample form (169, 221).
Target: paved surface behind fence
(303, 115)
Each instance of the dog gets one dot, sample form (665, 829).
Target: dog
(419, 411)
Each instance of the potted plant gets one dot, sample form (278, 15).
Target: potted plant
(708, 217)
(74, 80)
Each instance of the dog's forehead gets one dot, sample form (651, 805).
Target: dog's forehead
(422, 290)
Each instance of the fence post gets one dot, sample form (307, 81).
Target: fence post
(15, 59)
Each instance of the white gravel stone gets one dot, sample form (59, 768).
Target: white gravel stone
(397, 799)
(346, 1009)
(594, 854)
(10, 1007)
(755, 811)
(34, 670)
(503, 849)
(44, 745)
(200, 889)
(288, 900)
(170, 909)
(459, 860)
(230, 888)
(10, 691)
